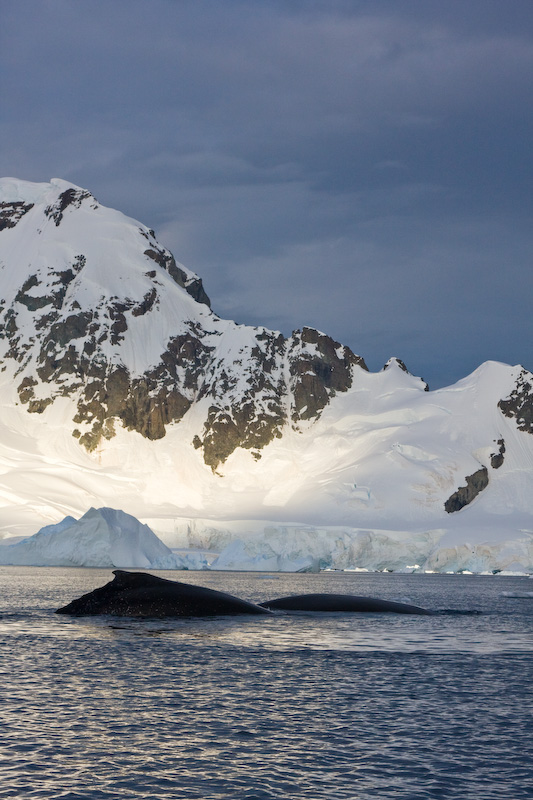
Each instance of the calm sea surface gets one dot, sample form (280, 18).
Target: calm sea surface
(366, 706)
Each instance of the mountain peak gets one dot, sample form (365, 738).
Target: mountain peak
(100, 312)
(17, 190)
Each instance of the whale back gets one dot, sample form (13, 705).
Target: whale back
(341, 603)
(138, 594)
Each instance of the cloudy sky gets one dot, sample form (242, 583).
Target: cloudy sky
(360, 166)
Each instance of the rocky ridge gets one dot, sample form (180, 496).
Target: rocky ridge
(87, 284)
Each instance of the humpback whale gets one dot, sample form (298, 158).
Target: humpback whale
(342, 603)
(138, 594)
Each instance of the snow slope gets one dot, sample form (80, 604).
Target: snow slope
(119, 387)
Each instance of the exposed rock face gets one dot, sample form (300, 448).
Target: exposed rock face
(496, 459)
(89, 319)
(11, 212)
(519, 404)
(70, 197)
(475, 484)
(318, 367)
(283, 381)
(248, 404)
(193, 285)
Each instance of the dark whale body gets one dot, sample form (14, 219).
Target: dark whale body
(137, 594)
(341, 603)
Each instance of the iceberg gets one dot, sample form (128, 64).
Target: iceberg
(103, 537)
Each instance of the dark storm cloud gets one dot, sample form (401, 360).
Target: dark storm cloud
(361, 167)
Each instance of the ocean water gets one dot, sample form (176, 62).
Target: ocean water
(359, 706)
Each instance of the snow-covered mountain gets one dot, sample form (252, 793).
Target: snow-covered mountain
(119, 386)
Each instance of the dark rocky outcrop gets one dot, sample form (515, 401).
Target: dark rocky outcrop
(496, 459)
(239, 426)
(192, 286)
(11, 213)
(140, 404)
(70, 197)
(56, 286)
(519, 404)
(319, 368)
(475, 484)
(248, 401)
(146, 305)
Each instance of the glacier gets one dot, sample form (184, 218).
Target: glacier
(108, 537)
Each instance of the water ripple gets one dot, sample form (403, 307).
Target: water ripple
(423, 708)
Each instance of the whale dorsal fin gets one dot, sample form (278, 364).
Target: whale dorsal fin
(125, 579)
